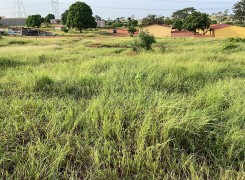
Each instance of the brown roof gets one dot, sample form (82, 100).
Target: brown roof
(219, 26)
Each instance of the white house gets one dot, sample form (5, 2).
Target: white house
(55, 21)
(100, 23)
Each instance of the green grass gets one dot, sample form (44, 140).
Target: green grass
(70, 111)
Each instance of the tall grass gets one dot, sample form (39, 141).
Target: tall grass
(69, 111)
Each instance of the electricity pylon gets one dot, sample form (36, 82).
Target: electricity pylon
(55, 6)
(19, 9)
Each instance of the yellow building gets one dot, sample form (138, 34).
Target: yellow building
(158, 30)
(226, 31)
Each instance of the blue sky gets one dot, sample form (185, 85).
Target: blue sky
(121, 8)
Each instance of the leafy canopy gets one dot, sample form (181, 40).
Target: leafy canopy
(34, 21)
(80, 16)
(48, 17)
(64, 17)
(183, 13)
(239, 10)
(152, 19)
(197, 20)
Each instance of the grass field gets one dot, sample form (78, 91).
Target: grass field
(72, 108)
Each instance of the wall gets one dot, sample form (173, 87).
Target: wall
(182, 34)
(13, 22)
(231, 31)
(159, 31)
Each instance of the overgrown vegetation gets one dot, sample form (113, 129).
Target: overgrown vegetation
(145, 41)
(70, 111)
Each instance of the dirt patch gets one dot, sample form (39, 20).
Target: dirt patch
(97, 45)
(120, 32)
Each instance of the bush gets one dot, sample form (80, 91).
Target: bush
(145, 41)
(65, 29)
(132, 29)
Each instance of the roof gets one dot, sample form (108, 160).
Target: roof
(219, 26)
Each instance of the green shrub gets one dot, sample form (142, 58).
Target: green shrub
(132, 30)
(65, 29)
(145, 41)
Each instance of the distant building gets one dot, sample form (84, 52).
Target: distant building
(58, 27)
(159, 31)
(55, 21)
(22, 31)
(100, 23)
(19, 31)
(12, 21)
(225, 31)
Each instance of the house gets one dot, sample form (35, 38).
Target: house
(58, 27)
(100, 23)
(225, 31)
(55, 21)
(6, 22)
(158, 30)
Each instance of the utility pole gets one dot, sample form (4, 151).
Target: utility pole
(19, 9)
(55, 6)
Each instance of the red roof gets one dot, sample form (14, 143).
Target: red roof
(219, 26)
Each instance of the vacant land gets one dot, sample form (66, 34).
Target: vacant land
(90, 107)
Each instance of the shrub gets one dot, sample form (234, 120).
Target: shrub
(132, 29)
(65, 29)
(145, 41)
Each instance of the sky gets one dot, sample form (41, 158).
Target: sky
(120, 8)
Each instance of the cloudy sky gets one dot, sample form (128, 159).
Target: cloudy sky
(120, 8)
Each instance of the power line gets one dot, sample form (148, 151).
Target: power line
(55, 6)
(19, 9)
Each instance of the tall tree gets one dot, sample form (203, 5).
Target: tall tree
(34, 21)
(80, 16)
(48, 17)
(239, 10)
(196, 20)
(64, 17)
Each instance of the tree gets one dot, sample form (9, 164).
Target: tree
(239, 11)
(132, 29)
(132, 23)
(152, 19)
(168, 21)
(214, 21)
(64, 17)
(197, 20)
(48, 17)
(34, 21)
(183, 13)
(80, 16)
(178, 24)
